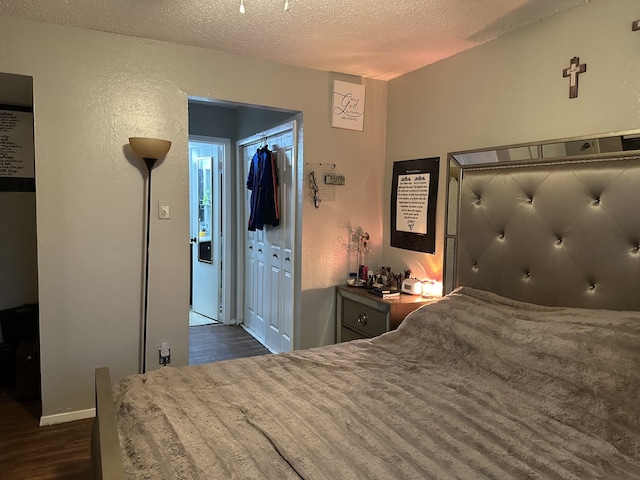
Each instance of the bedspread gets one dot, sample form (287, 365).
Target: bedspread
(473, 386)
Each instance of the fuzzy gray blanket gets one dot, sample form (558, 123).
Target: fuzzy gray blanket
(474, 386)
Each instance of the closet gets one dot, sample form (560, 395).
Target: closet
(269, 260)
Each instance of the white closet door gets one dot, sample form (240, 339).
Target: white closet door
(268, 258)
(255, 268)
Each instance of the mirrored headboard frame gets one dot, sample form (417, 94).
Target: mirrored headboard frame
(545, 155)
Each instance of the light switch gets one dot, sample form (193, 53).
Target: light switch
(164, 211)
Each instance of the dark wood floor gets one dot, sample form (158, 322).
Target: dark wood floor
(211, 343)
(28, 451)
(61, 452)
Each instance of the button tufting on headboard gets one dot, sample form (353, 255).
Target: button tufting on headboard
(595, 242)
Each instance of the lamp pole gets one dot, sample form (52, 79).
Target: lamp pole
(149, 150)
(150, 162)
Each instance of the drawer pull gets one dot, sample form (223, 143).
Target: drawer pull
(362, 319)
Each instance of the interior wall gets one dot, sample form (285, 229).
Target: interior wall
(255, 120)
(211, 120)
(18, 252)
(512, 91)
(92, 91)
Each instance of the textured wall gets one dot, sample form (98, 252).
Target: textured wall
(512, 91)
(91, 92)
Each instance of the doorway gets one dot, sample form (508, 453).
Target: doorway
(215, 120)
(208, 157)
(19, 312)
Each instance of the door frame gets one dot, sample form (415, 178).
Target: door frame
(228, 231)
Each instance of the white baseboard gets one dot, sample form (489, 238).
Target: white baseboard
(67, 417)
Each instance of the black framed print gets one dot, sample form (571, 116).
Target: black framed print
(414, 193)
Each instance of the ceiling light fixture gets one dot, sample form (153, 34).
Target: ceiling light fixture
(242, 9)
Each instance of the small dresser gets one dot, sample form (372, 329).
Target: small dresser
(360, 314)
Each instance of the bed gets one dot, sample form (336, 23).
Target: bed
(480, 384)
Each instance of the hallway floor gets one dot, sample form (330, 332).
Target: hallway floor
(211, 343)
(195, 319)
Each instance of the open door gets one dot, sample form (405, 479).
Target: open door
(206, 209)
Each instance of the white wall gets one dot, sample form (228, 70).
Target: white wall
(92, 91)
(512, 91)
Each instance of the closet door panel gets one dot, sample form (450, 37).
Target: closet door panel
(269, 276)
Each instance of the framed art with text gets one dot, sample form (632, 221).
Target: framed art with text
(414, 193)
(348, 106)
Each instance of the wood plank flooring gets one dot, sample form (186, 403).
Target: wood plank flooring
(62, 452)
(211, 343)
(28, 451)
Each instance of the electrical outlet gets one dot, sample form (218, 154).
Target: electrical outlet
(164, 354)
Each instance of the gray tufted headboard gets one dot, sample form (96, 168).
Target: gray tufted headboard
(563, 233)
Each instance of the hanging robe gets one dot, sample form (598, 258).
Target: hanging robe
(263, 183)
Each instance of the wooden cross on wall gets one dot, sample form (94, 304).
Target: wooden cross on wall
(572, 72)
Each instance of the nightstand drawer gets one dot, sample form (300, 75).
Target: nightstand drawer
(360, 314)
(363, 318)
(348, 335)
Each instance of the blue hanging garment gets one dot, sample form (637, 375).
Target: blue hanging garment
(263, 183)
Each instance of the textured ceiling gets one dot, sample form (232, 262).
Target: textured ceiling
(379, 39)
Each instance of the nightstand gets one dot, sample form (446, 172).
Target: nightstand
(360, 314)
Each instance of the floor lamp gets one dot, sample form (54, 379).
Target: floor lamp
(150, 150)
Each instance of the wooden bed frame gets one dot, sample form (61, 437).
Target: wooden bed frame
(592, 285)
(105, 442)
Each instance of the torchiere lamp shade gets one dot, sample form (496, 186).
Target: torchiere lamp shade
(153, 148)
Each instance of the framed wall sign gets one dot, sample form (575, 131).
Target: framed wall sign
(414, 193)
(347, 109)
